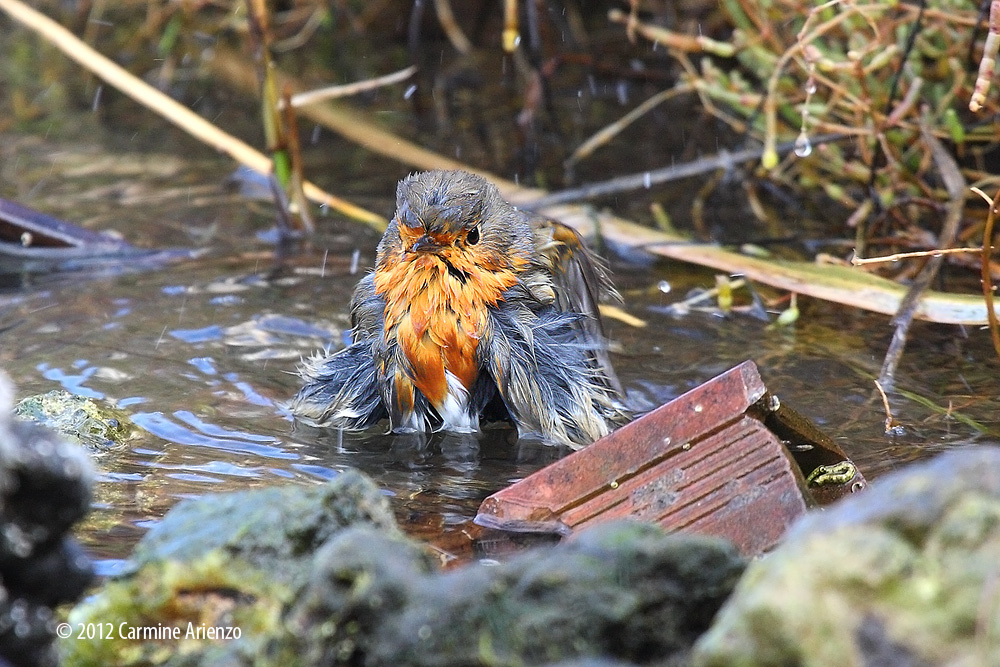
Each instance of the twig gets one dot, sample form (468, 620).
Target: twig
(682, 307)
(446, 18)
(857, 261)
(300, 211)
(165, 106)
(955, 186)
(723, 160)
(609, 132)
(988, 62)
(891, 425)
(986, 276)
(670, 39)
(331, 92)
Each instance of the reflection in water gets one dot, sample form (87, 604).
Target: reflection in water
(70, 382)
(207, 435)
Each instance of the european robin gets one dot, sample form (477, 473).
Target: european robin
(474, 309)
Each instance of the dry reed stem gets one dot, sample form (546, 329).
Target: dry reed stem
(609, 132)
(446, 18)
(882, 259)
(347, 89)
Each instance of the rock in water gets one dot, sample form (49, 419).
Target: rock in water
(213, 577)
(619, 591)
(322, 576)
(905, 574)
(94, 425)
(45, 487)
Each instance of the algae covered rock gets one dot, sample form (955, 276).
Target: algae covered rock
(907, 573)
(84, 421)
(302, 576)
(213, 578)
(45, 487)
(621, 591)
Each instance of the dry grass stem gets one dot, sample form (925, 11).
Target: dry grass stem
(347, 89)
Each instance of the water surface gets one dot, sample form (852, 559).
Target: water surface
(203, 353)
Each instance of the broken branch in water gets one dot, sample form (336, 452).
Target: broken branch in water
(892, 427)
(955, 185)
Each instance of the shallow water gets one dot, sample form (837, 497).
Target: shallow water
(203, 353)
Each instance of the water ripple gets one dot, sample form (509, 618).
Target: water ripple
(175, 429)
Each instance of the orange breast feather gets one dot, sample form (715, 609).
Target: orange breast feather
(438, 319)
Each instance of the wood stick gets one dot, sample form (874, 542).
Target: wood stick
(955, 185)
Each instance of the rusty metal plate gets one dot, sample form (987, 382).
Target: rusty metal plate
(706, 462)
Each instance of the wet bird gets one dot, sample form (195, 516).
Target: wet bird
(474, 309)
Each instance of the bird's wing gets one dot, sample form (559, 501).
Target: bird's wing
(579, 279)
(546, 378)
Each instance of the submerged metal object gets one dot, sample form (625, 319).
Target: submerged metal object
(727, 458)
(33, 241)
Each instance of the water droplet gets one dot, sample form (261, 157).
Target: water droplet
(811, 86)
(803, 147)
(664, 287)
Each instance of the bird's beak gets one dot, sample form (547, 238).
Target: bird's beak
(425, 244)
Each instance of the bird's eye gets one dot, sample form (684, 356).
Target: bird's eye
(472, 238)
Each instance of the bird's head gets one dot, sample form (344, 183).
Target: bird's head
(456, 219)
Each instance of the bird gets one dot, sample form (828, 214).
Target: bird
(475, 310)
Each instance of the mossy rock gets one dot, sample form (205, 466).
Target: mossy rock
(96, 426)
(903, 574)
(225, 561)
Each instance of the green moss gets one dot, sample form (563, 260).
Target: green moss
(214, 591)
(93, 424)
